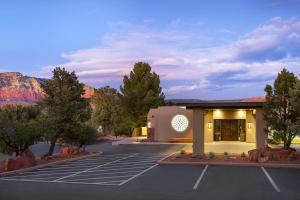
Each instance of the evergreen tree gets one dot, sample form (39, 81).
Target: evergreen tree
(64, 106)
(109, 113)
(279, 109)
(106, 103)
(19, 128)
(141, 91)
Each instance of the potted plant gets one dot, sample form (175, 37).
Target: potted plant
(210, 155)
(226, 157)
(182, 152)
(243, 156)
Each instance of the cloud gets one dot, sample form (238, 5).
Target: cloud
(275, 40)
(187, 58)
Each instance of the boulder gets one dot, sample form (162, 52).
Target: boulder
(2, 166)
(263, 159)
(267, 153)
(254, 155)
(28, 159)
(284, 154)
(68, 151)
(65, 152)
(12, 163)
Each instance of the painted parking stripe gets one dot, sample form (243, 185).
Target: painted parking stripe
(270, 179)
(96, 178)
(48, 175)
(84, 183)
(116, 169)
(107, 170)
(129, 165)
(93, 168)
(142, 172)
(200, 177)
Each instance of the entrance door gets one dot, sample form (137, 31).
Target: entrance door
(229, 129)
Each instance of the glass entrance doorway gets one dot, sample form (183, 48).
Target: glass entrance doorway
(229, 130)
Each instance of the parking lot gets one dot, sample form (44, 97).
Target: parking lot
(136, 175)
(116, 169)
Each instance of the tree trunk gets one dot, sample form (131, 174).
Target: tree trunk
(287, 145)
(52, 145)
(17, 152)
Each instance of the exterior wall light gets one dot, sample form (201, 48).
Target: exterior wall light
(149, 125)
(242, 114)
(209, 125)
(217, 114)
(249, 125)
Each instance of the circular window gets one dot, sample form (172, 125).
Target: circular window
(180, 123)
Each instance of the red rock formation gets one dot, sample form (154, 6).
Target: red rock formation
(18, 89)
(267, 153)
(68, 151)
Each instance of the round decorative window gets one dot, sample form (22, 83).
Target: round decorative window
(180, 123)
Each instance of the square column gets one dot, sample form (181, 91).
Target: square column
(198, 131)
(261, 136)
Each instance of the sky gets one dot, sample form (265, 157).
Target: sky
(201, 49)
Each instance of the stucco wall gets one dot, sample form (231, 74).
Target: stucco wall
(160, 119)
(250, 131)
(208, 132)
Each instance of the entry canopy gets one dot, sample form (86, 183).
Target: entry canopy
(254, 102)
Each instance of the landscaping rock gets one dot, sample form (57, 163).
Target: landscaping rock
(267, 153)
(2, 166)
(28, 159)
(263, 159)
(12, 164)
(68, 151)
(254, 155)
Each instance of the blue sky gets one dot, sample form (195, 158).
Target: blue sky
(201, 49)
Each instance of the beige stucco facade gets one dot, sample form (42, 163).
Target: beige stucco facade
(201, 124)
(160, 119)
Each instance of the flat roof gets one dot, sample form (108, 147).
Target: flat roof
(253, 102)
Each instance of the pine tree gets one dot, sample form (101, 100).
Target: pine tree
(279, 109)
(64, 106)
(141, 91)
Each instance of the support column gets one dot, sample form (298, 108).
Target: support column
(261, 136)
(198, 132)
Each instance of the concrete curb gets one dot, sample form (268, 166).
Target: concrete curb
(48, 164)
(273, 165)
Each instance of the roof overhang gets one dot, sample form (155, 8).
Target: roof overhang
(218, 104)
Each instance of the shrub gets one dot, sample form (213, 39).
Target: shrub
(210, 155)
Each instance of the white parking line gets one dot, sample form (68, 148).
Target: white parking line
(107, 170)
(270, 179)
(93, 168)
(116, 169)
(128, 165)
(142, 172)
(95, 178)
(200, 177)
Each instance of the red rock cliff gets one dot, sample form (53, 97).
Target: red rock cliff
(18, 89)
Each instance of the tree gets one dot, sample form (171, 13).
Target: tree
(19, 128)
(106, 103)
(85, 134)
(279, 109)
(140, 92)
(109, 113)
(64, 106)
(295, 101)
